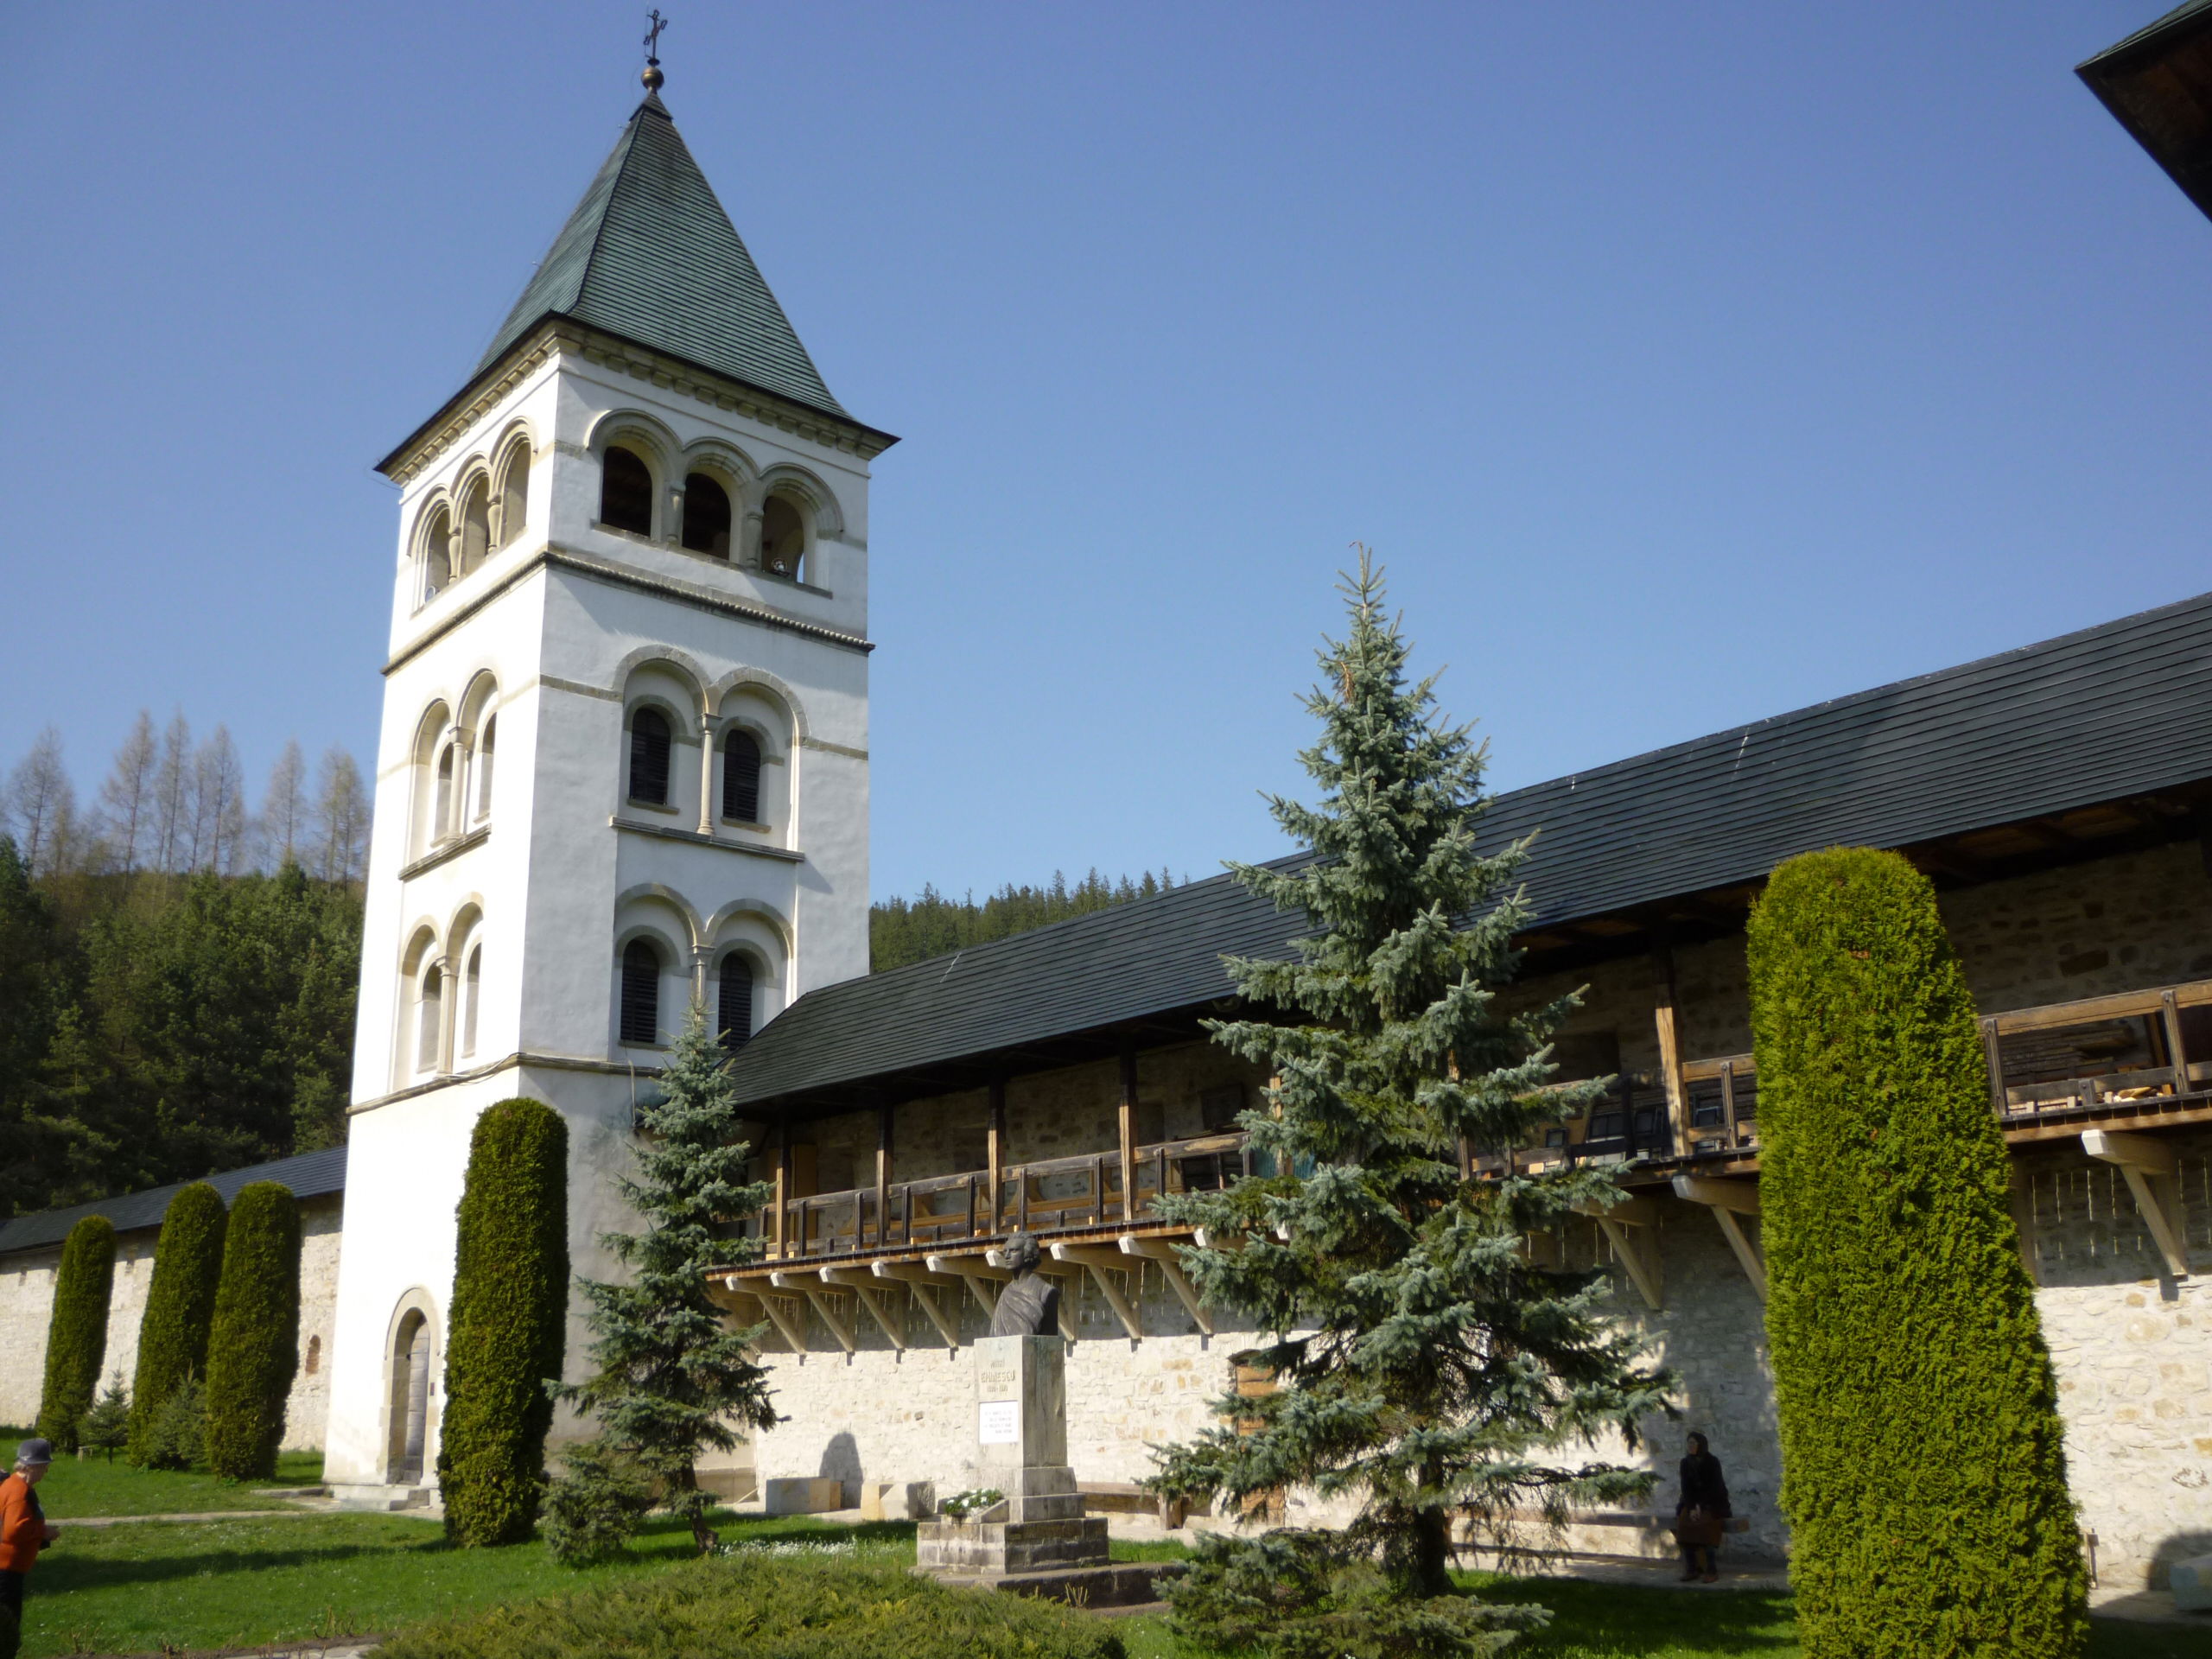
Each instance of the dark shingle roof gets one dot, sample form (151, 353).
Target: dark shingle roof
(2121, 710)
(650, 255)
(2158, 84)
(310, 1175)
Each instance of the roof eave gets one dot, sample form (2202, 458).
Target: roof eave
(871, 441)
(2115, 76)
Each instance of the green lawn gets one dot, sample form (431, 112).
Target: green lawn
(222, 1584)
(140, 1588)
(1612, 1621)
(95, 1486)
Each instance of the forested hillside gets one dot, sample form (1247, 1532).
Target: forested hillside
(900, 930)
(177, 970)
(158, 1026)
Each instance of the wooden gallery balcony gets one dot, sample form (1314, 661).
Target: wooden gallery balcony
(939, 1237)
(2099, 1071)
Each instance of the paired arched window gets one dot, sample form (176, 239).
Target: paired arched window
(484, 752)
(625, 491)
(783, 537)
(706, 516)
(428, 1018)
(475, 523)
(734, 1009)
(441, 826)
(649, 757)
(514, 494)
(640, 991)
(471, 987)
(741, 776)
(437, 555)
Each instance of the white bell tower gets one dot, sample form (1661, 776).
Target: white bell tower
(624, 758)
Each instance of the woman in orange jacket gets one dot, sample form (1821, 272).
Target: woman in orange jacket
(23, 1532)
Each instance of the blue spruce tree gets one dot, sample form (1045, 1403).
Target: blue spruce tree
(671, 1379)
(1426, 1367)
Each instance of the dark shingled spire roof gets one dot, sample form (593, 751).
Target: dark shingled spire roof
(650, 255)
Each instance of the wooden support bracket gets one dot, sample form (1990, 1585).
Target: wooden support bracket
(2152, 1172)
(1728, 1200)
(1628, 1227)
(818, 1297)
(771, 1306)
(982, 1279)
(1109, 1268)
(1159, 1250)
(926, 1286)
(867, 1287)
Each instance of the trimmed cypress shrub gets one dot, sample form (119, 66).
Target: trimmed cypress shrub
(76, 1335)
(179, 1306)
(1923, 1472)
(508, 1325)
(253, 1345)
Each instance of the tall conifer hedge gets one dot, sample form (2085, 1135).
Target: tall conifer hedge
(253, 1346)
(508, 1323)
(1923, 1474)
(180, 1307)
(76, 1335)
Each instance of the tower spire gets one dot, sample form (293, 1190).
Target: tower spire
(653, 79)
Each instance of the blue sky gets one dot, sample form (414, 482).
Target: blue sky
(1684, 364)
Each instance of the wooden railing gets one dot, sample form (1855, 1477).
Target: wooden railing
(1055, 1195)
(2136, 1053)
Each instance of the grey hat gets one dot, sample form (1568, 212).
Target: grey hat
(35, 1451)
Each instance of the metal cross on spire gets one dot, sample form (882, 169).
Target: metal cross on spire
(653, 78)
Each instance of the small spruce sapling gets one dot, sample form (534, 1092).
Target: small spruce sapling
(106, 1427)
(670, 1379)
(1428, 1369)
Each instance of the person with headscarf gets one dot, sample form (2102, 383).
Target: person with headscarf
(1701, 1516)
(24, 1531)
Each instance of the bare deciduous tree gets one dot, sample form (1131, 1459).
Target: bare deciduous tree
(41, 806)
(284, 809)
(127, 815)
(171, 848)
(220, 783)
(342, 818)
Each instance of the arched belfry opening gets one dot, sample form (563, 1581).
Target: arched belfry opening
(706, 516)
(625, 491)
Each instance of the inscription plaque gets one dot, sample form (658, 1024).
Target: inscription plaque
(998, 1422)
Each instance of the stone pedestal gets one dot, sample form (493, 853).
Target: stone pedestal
(1021, 1445)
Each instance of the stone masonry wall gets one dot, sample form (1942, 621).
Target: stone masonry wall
(27, 1307)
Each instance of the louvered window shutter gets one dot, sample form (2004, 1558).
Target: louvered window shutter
(736, 1009)
(640, 993)
(649, 757)
(741, 778)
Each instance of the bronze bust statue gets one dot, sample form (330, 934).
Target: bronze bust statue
(1030, 1305)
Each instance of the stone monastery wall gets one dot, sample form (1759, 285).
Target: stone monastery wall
(26, 1304)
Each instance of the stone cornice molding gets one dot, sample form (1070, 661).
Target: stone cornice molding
(437, 435)
(505, 1063)
(554, 556)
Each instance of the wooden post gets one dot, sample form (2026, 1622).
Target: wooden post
(994, 1145)
(783, 1184)
(1128, 1129)
(1995, 1057)
(1670, 1047)
(2177, 1051)
(882, 1178)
